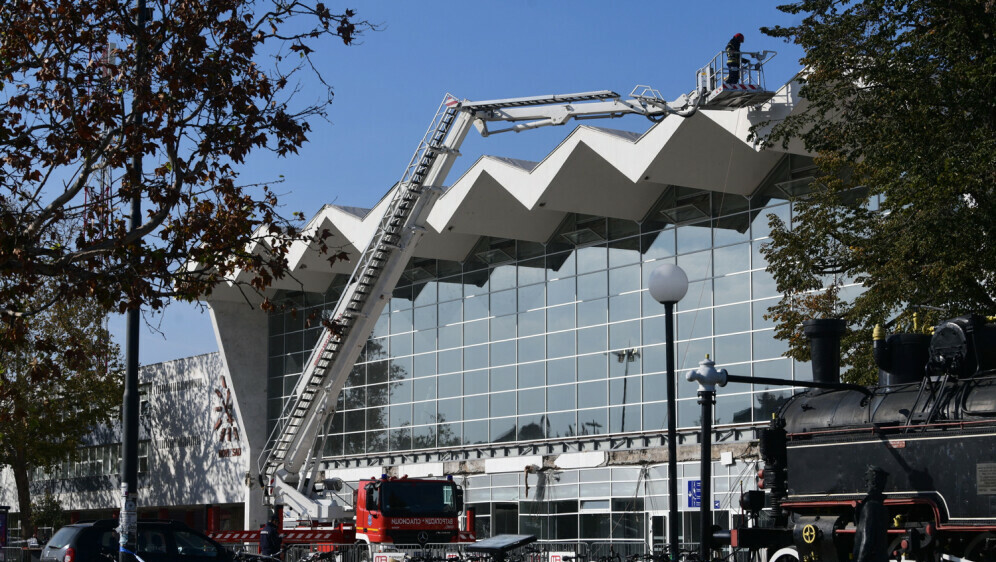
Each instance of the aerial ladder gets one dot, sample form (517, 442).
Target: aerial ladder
(289, 464)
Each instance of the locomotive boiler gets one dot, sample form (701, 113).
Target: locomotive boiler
(904, 470)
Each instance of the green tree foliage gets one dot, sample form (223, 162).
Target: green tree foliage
(48, 512)
(52, 396)
(900, 111)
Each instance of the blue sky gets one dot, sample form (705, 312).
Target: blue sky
(389, 86)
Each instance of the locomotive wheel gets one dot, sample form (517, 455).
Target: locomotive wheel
(897, 544)
(787, 554)
(980, 548)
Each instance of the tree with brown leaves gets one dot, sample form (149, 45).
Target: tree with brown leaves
(217, 81)
(193, 88)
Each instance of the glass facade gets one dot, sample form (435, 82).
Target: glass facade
(526, 341)
(617, 503)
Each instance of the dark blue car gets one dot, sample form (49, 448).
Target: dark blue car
(158, 541)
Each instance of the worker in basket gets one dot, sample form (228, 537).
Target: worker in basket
(733, 59)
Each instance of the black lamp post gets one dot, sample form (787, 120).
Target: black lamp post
(668, 285)
(708, 377)
(128, 528)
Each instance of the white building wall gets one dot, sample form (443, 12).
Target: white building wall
(242, 339)
(197, 454)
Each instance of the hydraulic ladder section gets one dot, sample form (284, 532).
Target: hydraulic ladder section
(369, 288)
(289, 463)
(541, 111)
(711, 92)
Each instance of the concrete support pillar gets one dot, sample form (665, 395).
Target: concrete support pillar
(241, 332)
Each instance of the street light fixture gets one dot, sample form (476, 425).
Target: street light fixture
(668, 285)
(626, 356)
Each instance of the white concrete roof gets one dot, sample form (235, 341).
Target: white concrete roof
(594, 171)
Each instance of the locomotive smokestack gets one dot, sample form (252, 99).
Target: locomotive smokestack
(824, 347)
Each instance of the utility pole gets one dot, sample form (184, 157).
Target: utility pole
(129, 447)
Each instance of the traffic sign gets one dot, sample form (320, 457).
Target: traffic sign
(694, 493)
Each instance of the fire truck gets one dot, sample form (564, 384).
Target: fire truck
(409, 511)
(401, 510)
(386, 511)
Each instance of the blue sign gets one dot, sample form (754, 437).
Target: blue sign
(694, 493)
(715, 504)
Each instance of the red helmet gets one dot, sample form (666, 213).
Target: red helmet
(739, 37)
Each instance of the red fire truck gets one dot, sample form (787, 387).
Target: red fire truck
(387, 511)
(410, 511)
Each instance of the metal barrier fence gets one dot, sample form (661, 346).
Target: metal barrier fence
(343, 552)
(543, 551)
(536, 552)
(296, 552)
(19, 554)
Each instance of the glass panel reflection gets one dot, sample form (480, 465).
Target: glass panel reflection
(593, 422)
(538, 340)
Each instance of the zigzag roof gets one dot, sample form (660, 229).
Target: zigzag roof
(593, 171)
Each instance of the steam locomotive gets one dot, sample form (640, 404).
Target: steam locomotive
(904, 470)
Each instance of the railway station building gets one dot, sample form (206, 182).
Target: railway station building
(522, 352)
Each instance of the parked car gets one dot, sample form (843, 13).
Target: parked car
(158, 541)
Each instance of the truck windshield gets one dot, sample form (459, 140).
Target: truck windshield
(418, 498)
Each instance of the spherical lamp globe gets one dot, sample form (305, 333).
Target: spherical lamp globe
(668, 283)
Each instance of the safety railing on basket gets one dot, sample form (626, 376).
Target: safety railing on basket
(748, 70)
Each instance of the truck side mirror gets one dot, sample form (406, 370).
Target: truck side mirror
(459, 500)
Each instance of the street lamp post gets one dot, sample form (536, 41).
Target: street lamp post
(128, 529)
(708, 377)
(668, 285)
